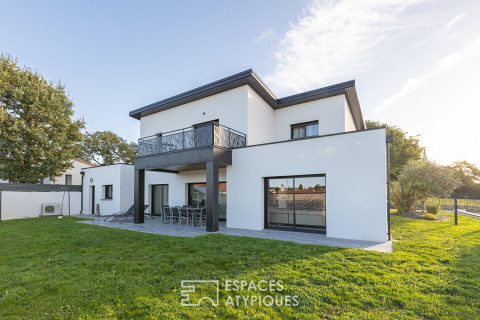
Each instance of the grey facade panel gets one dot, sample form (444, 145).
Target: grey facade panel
(27, 187)
(193, 159)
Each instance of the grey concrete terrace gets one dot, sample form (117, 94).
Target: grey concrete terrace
(156, 226)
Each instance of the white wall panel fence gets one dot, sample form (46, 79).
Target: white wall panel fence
(18, 201)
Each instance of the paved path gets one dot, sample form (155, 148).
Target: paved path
(466, 213)
(157, 227)
(469, 214)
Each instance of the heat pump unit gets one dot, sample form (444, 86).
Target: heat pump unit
(51, 209)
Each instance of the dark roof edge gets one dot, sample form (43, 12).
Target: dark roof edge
(108, 165)
(249, 77)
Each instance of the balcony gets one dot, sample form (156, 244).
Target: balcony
(209, 134)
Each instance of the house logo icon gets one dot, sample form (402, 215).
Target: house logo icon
(195, 293)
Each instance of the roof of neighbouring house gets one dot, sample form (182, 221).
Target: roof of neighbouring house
(249, 77)
(85, 162)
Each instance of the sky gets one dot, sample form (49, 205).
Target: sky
(416, 62)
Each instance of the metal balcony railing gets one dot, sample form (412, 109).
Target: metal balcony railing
(209, 134)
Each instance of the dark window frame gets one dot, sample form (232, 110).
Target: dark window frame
(189, 191)
(321, 230)
(107, 195)
(196, 125)
(302, 124)
(66, 179)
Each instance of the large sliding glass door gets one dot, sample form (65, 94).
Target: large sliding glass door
(159, 198)
(296, 202)
(197, 196)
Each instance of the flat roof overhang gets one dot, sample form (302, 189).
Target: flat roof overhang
(249, 77)
(185, 160)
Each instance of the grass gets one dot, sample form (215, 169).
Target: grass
(62, 269)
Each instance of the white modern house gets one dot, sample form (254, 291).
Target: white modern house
(300, 163)
(109, 187)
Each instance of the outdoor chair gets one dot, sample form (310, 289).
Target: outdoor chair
(167, 214)
(116, 215)
(149, 214)
(200, 216)
(124, 215)
(175, 215)
(183, 215)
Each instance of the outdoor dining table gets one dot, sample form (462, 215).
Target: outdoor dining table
(192, 211)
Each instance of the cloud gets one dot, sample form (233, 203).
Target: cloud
(449, 25)
(442, 33)
(441, 105)
(443, 65)
(267, 34)
(333, 40)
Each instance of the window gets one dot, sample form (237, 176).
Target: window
(296, 202)
(305, 129)
(197, 197)
(108, 192)
(68, 179)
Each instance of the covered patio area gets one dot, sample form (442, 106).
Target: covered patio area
(156, 226)
(202, 147)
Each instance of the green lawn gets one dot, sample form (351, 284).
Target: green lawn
(62, 269)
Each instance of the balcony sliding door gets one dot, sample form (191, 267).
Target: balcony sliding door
(296, 202)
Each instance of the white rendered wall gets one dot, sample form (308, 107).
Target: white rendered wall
(330, 113)
(355, 169)
(177, 184)
(229, 107)
(120, 176)
(127, 186)
(349, 122)
(244, 110)
(19, 204)
(261, 119)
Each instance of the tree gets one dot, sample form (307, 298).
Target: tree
(419, 180)
(405, 148)
(106, 147)
(38, 138)
(469, 175)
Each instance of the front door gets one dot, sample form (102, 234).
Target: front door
(159, 198)
(92, 199)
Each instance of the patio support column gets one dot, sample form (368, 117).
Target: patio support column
(212, 196)
(139, 195)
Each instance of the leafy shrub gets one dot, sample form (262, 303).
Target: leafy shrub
(429, 216)
(432, 209)
(402, 197)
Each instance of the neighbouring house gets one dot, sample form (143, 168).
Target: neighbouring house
(300, 163)
(110, 187)
(71, 176)
(63, 194)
